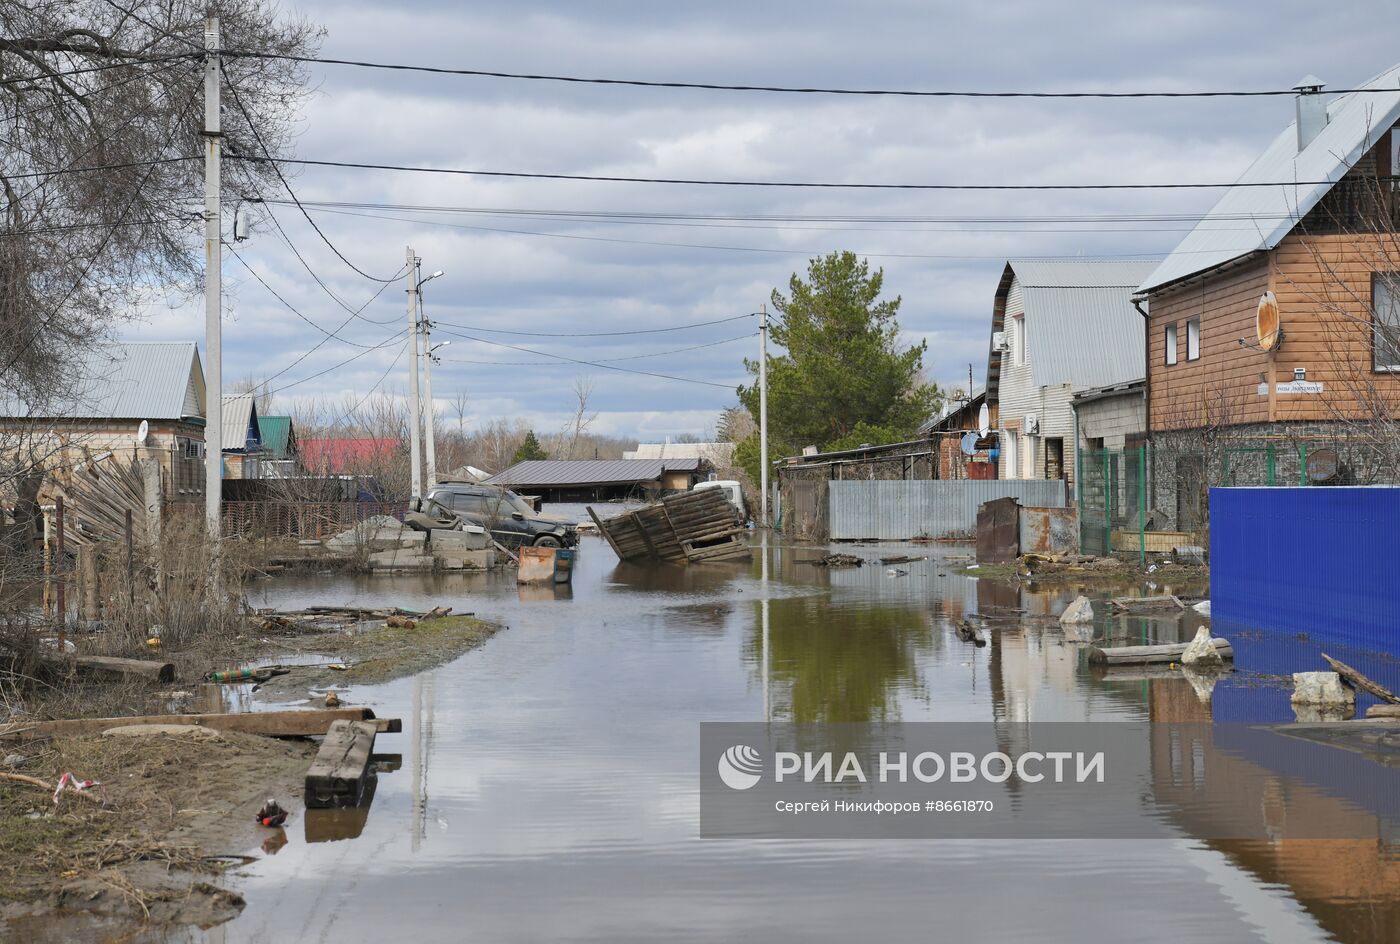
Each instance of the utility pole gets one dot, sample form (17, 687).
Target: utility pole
(763, 414)
(213, 279)
(415, 414)
(428, 437)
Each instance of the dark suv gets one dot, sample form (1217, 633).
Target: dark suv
(505, 514)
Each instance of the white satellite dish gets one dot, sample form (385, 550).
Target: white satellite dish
(984, 422)
(969, 444)
(142, 432)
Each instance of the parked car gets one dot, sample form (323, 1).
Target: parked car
(732, 491)
(505, 514)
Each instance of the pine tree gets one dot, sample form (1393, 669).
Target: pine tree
(529, 449)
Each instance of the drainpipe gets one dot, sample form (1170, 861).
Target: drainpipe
(1146, 394)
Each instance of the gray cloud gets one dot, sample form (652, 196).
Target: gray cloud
(508, 280)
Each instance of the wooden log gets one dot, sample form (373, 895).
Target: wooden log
(337, 775)
(109, 665)
(267, 723)
(1146, 604)
(1147, 655)
(607, 534)
(1361, 682)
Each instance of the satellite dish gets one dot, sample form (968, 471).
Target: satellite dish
(1322, 465)
(984, 422)
(142, 432)
(1267, 327)
(969, 444)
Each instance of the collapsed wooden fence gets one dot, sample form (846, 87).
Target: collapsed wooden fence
(689, 526)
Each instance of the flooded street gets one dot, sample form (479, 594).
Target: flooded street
(549, 790)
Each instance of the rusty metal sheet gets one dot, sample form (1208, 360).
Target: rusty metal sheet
(1049, 531)
(998, 531)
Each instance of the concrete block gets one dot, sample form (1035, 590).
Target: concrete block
(469, 539)
(399, 560)
(1189, 554)
(1321, 688)
(413, 540)
(465, 559)
(1201, 652)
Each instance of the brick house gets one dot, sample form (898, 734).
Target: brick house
(1272, 353)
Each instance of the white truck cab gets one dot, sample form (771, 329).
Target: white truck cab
(732, 491)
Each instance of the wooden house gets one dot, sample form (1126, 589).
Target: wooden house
(1272, 328)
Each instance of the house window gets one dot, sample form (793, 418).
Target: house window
(1385, 324)
(1170, 338)
(1193, 339)
(1018, 339)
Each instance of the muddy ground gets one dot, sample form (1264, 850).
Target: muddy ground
(179, 807)
(1101, 574)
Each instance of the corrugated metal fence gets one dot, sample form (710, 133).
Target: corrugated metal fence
(900, 511)
(1318, 561)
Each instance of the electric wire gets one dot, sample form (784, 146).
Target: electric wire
(606, 360)
(253, 126)
(377, 384)
(586, 363)
(785, 184)
(594, 334)
(800, 90)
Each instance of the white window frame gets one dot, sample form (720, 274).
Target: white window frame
(1018, 339)
(1169, 339)
(1389, 282)
(1193, 339)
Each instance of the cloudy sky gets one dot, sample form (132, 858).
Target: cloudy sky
(542, 271)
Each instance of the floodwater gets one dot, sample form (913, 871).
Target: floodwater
(549, 788)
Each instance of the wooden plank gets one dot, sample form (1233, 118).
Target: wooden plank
(110, 665)
(1165, 601)
(607, 535)
(1376, 712)
(1361, 682)
(337, 774)
(268, 723)
(1147, 655)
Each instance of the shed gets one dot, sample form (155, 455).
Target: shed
(564, 480)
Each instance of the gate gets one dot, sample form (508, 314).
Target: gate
(1112, 497)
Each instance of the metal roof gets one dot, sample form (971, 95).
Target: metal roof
(240, 413)
(277, 438)
(1252, 219)
(125, 380)
(718, 453)
(564, 472)
(1081, 326)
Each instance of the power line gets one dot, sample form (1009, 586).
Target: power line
(104, 67)
(574, 360)
(820, 185)
(318, 280)
(377, 384)
(293, 309)
(354, 357)
(788, 217)
(11, 234)
(594, 334)
(786, 251)
(252, 125)
(800, 90)
(153, 162)
(607, 360)
(91, 92)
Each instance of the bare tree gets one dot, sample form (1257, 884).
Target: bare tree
(578, 426)
(102, 119)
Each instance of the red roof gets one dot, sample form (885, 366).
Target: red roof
(339, 456)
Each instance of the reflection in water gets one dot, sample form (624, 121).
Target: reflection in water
(550, 788)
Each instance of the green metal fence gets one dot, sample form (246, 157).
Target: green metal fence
(1112, 497)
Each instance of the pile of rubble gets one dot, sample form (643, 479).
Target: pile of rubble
(392, 545)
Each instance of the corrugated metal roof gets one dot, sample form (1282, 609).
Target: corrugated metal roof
(718, 453)
(1081, 273)
(1085, 337)
(1251, 219)
(240, 422)
(1081, 326)
(562, 472)
(276, 435)
(127, 380)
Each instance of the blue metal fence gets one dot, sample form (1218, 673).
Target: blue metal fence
(1320, 562)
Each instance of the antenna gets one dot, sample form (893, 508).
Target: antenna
(1268, 329)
